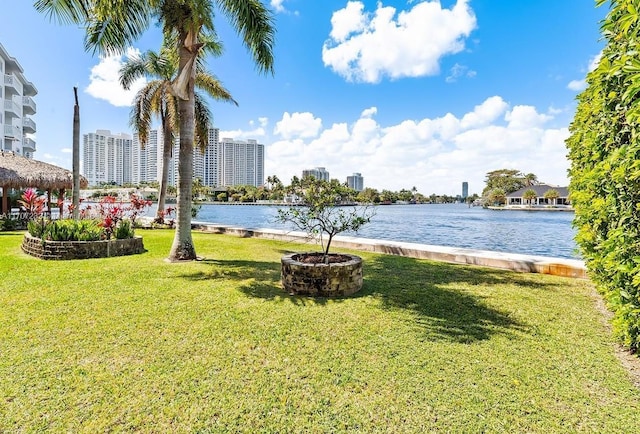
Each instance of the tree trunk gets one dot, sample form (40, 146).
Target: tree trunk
(75, 194)
(166, 157)
(183, 248)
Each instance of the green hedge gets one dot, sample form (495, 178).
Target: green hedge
(604, 149)
(80, 230)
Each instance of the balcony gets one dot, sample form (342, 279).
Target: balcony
(12, 132)
(13, 86)
(11, 109)
(28, 105)
(28, 145)
(28, 125)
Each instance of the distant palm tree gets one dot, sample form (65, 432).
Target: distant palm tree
(530, 195)
(157, 98)
(111, 28)
(530, 179)
(552, 195)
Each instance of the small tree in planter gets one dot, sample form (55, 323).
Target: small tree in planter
(322, 216)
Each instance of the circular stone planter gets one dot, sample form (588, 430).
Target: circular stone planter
(336, 279)
(63, 250)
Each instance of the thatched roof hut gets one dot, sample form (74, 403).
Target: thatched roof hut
(17, 171)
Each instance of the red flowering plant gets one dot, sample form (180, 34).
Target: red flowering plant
(32, 203)
(161, 218)
(117, 218)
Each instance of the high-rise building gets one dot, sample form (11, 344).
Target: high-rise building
(465, 190)
(240, 163)
(146, 163)
(355, 181)
(106, 157)
(319, 173)
(16, 94)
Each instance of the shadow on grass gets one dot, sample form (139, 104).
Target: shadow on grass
(437, 294)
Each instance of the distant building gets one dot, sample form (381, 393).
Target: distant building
(517, 198)
(465, 190)
(240, 163)
(16, 93)
(106, 157)
(319, 173)
(146, 163)
(356, 182)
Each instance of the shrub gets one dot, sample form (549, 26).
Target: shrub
(322, 216)
(604, 150)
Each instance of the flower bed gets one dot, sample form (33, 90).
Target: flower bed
(63, 250)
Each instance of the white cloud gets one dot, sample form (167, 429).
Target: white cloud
(458, 71)
(580, 85)
(366, 47)
(104, 81)
(278, 7)
(367, 113)
(303, 125)
(66, 150)
(577, 85)
(434, 154)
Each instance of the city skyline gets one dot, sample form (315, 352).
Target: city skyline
(119, 158)
(420, 93)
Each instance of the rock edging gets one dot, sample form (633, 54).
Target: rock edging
(65, 250)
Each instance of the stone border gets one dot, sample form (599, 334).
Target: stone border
(337, 279)
(65, 250)
(486, 258)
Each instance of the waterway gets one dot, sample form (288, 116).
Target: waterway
(545, 233)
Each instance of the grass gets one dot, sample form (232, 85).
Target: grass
(137, 344)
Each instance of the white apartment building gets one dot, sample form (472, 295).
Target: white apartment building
(16, 94)
(106, 157)
(240, 163)
(319, 173)
(146, 163)
(355, 181)
(119, 158)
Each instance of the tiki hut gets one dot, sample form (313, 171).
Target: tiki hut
(17, 171)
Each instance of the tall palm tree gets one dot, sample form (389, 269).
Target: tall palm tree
(530, 195)
(156, 98)
(111, 28)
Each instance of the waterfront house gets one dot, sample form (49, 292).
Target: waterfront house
(517, 199)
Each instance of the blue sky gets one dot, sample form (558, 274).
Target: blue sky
(408, 93)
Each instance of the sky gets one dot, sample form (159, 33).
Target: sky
(408, 93)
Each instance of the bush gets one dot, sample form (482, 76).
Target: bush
(75, 230)
(604, 150)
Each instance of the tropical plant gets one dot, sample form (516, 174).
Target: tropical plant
(529, 195)
(156, 98)
(509, 180)
(32, 203)
(604, 150)
(552, 195)
(497, 196)
(320, 216)
(111, 28)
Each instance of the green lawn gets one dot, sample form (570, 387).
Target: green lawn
(138, 344)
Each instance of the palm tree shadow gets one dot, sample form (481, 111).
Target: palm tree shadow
(436, 296)
(432, 292)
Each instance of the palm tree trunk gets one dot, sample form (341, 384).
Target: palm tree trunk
(166, 157)
(183, 248)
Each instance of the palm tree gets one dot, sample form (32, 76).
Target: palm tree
(530, 179)
(110, 29)
(530, 195)
(552, 195)
(156, 98)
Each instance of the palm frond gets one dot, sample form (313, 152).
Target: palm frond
(64, 11)
(255, 24)
(213, 87)
(203, 118)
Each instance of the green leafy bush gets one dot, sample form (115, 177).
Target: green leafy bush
(604, 149)
(75, 230)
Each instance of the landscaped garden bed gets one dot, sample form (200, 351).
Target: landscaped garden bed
(61, 250)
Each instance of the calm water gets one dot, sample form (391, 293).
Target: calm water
(545, 233)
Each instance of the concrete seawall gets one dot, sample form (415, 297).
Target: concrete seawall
(508, 261)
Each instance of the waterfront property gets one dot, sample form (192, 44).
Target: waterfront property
(136, 344)
(540, 197)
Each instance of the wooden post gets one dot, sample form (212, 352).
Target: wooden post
(5, 200)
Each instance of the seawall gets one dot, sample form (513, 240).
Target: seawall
(486, 258)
